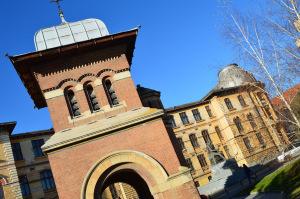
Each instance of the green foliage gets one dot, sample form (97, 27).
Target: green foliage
(286, 179)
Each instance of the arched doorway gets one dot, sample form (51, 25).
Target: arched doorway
(123, 184)
(138, 170)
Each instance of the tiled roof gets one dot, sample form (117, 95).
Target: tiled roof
(288, 95)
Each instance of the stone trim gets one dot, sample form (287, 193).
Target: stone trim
(53, 94)
(175, 180)
(163, 182)
(117, 158)
(102, 111)
(121, 75)
(61, 139)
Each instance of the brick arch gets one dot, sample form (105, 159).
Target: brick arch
(147, 167)
(87, 77)
(69, 82)
(106, 72)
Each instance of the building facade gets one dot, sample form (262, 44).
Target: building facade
(9, 182)
(29, 167)
(33, 168)
(235, 120)
(103, 134)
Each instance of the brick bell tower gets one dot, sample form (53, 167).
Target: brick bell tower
(103, 134)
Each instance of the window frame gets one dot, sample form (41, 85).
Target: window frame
(181, 143)
(248, 144)
(197, 115)
(219, 133)
(24, 185)
(251, 120)
(260, 139)
(36, 147)
(184, 118)
(202, 161)
(241, 100)
(107, 88)
(209, 112)
(228, 104)
(238, 123)
(69, 99)
(17, 151)
(172, 121)
(89, 91)
(194, 140)
(47, 180)
(190, 164)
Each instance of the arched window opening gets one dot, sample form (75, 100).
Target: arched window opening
(72, 103)
(242, 101)
(228, 103)
(110, 93)
(91, 98)
(238, 124)
(251, 120)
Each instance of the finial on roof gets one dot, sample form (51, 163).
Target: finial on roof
(60, 12)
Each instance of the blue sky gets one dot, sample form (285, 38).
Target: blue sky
(179, 50)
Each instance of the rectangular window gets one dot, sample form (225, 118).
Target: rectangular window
(207, 139)
(184, 118)
(260, 139)
(190, 164)
(218, 131)
(194, 140)
(228, 103)
(36, 145)
(17, 152)
(47, 180)
(25, 188)
(181, 143)
(172, 121)
(241, 100)
(196, 115)
(251, 120)
(208, 110)
(202, 160)
(248, 144)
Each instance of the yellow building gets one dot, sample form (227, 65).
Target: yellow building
(9, 182)
(235, 120)
(25, 170)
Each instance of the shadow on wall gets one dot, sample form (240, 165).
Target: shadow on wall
(228, 179)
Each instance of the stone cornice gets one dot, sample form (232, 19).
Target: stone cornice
(100, 128)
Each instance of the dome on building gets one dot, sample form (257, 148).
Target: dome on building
(232, 76)
(68, 33)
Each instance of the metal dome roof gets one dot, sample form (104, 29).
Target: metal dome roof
(232, 76)
(68, 33)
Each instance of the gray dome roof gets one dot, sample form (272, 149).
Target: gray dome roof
(68, 33)
(232, 76)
